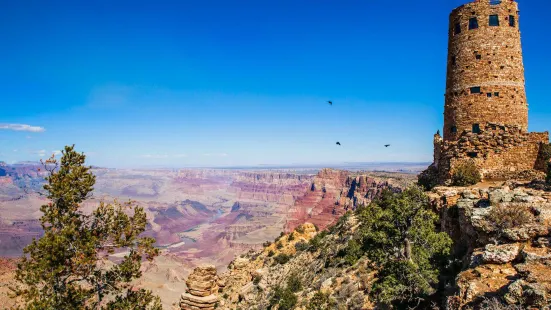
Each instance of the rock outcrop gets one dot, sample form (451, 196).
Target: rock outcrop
(502, 235)
(202, 289)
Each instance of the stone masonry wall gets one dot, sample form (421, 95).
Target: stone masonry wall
(499, 151)
(488, 57)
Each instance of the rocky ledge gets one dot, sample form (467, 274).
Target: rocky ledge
(502, 237)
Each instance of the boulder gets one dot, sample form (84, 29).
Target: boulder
(500, 254)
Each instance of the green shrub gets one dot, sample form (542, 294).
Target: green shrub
(466, 174)
(320, 301)
(545, 152)
(293, 283)
(300, 229)
(282, 258)
(352, 252)
(271, 253)
(428, 179)
(281, 234)
(505, 216)
(257, 279)
(279, 245)
(266, 244)
(301, 246)
(284, 298)
(315, 243)
(291, 237)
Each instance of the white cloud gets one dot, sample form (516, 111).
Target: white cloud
(22, 127)
(40, 153)
(57, 153)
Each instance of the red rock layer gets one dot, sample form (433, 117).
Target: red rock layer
(331, 194)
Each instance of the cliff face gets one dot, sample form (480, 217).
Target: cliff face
(333, 192)
(281, 188)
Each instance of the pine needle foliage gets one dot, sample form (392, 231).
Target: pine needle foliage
(68, 267)
(398, 236)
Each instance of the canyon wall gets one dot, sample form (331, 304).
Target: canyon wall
(333, 192)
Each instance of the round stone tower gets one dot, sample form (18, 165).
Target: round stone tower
(485, 74)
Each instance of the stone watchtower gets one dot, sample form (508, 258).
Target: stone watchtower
(485, 111)
(485, 75)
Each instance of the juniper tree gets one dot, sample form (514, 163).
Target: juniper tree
(398, 235)
(68, 267)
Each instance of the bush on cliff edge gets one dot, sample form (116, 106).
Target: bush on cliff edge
(466, 174)
(428, 179)
(398, 235)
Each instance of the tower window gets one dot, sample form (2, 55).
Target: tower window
(496, 94)
(476, 128)
(512, 21)
(457, 28)
(473, 23)
(478, 57)
(453, 129)
(475, 90)
(489, 95)
(454, 60)
(494, 20)
(472, 154)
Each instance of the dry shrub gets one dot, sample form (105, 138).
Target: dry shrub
(466, 174)
(505, 216)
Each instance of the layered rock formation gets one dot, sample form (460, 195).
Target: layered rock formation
(276, 187)
(333, 192)
(202, 289)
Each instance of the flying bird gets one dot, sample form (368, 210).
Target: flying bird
(330, 102)
(338, 143)
(387, 145)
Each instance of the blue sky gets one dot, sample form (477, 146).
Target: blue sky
(222, 83)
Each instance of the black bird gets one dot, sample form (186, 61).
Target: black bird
(330, 102)
(338, 143)
(387, 145)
